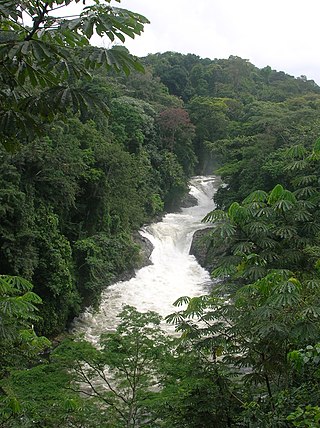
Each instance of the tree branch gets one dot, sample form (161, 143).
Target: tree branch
(37, 22)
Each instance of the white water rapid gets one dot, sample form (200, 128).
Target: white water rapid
(173, 272)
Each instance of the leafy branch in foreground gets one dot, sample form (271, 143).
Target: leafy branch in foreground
(54, 52)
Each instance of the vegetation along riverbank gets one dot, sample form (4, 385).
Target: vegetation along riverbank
(95, 143)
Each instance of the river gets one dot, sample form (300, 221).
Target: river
(173, 272)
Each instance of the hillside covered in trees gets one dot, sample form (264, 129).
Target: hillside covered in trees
(96, 144)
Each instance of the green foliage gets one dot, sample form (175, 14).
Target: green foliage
(17, 305)
(100, 259)
(263, 316)
(40, 389)
(195, 392)
(121, 376)
(51, 55)
(307, 417)
(18, 342)
(248, 353)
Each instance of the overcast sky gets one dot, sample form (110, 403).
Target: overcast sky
(281, 33)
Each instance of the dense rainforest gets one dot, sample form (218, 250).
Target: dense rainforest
(96, 143)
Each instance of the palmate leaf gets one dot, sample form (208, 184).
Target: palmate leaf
(187, 327)
(270, 256)
(267, 243)
(254, 259)
(267, 212)
(301, 214)
(241, 248)
(195, 307)
(275, 194)
(211, 316)
(285, 232)
(8, 8)
(234, 209)
(224, 230)
(35, 61)
(183, 300)
(31, 297)
(17, 308)
(297, 165)
(264, 312)
(6, 289)
(286, 294)
(311, 312)
(254, 272)
(292, 255)
(257, 228)
(237, 213)
(314, 156)
(175, 318)
(276, 330)
(296, 151)
(109, 21)
(283, 205)
(264, 286)
(305, 192)
(117, 58)
(288, 196)
(224, 271)
(60, 99)
(215, 216)
(15, 124)
(313, 285)
(310, 228)
(17, 282)
(279, 193)
(304, 180)
(256, 196)
(308, 205)
(52, 51)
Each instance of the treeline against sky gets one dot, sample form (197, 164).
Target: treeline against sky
(72, 198)
(73, 195)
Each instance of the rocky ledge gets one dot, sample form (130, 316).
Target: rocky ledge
(200, 247)
(146, 249)
(206, 254)
(188, 201)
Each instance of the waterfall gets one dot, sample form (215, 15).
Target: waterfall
(173, 272)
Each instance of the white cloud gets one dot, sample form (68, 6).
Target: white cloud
(279, 33)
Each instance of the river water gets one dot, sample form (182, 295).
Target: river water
(173, 273)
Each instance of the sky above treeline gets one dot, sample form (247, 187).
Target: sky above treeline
(283, 34)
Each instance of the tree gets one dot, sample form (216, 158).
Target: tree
(41, 62)
(122, 375)
(177, 133)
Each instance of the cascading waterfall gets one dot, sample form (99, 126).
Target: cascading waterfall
(173, 273)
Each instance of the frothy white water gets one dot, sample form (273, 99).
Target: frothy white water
(174, 272)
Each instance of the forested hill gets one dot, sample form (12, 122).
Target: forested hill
(95, 143)
(189, 75)
(83, 168)
(72, 196)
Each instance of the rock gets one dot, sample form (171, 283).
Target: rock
(200, 247)
(207, 255)
(146, 248)
(188, 201)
